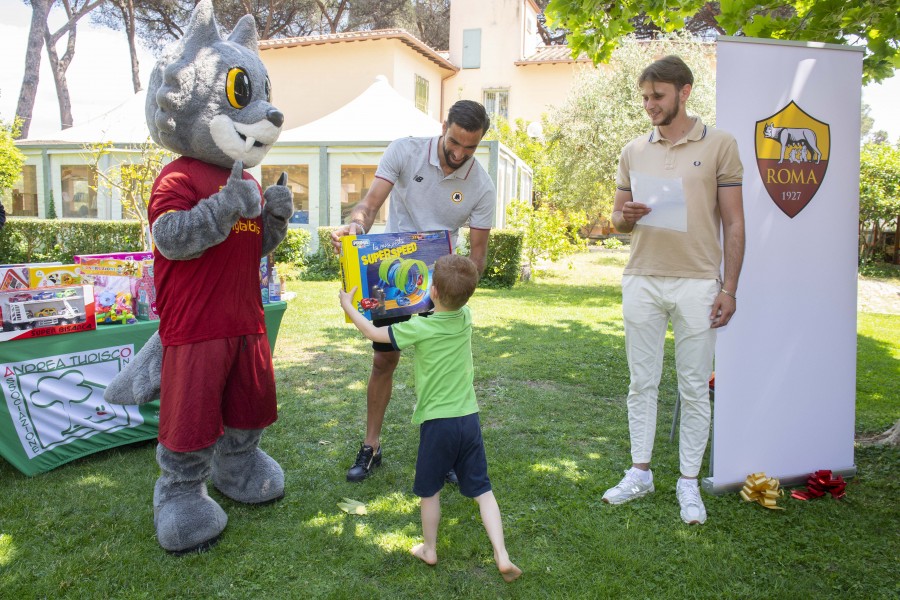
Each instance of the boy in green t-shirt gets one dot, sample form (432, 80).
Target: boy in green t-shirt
(446, 410)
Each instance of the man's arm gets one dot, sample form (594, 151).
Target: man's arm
(478, 243)
(731, 207)
(626, 212)
(363, 214)
(375, 334)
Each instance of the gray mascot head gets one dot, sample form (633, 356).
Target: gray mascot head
(208, 96)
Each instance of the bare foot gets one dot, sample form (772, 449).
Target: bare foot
(509, 571)
(429, 557)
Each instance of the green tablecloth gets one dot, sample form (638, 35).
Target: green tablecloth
(53, 409)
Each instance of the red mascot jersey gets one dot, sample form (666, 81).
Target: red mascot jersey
(215, 295)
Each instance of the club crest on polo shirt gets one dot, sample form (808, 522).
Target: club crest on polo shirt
(457, 197)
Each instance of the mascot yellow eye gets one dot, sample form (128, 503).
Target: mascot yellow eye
(237, 87)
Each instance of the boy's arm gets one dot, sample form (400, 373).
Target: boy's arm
(375, 334)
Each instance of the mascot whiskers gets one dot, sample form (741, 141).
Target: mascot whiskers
(208, 101)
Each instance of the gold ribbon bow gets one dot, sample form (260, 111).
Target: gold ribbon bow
(762, 489)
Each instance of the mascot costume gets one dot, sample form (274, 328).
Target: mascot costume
(208, 101)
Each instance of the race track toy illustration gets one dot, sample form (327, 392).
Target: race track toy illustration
(391, 271)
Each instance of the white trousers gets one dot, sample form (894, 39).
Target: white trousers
(648, 304)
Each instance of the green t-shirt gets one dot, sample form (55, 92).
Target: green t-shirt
(444, 369)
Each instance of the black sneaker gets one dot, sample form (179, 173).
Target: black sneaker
(366, 460)
(451, 477)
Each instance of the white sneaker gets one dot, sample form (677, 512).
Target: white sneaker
(692, 510)
(632, 486)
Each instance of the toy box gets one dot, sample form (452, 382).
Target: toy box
(15, 277)
(391, 271)
(135, 256)
(46, 311)
(114, 282)
(145, 294)
(52, 275)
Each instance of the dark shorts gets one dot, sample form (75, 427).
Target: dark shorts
(453, 443)
(206, 385)
(381, 346)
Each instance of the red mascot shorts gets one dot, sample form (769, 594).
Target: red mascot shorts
(206, 385)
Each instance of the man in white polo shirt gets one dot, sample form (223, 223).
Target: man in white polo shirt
(674, 270)
(434, 183)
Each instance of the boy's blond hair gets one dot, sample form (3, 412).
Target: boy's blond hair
(455, 278)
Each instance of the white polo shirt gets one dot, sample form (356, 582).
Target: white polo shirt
(424, 199)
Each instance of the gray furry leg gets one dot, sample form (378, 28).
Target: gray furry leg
(138, 382)
(185, 517)
(242, 471)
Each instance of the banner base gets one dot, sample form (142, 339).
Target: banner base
(717, 488)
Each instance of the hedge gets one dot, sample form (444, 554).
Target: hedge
(323, 265)
(504, 257)
(25, 240)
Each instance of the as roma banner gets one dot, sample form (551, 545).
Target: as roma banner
(786, 363)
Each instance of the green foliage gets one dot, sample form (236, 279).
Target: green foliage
(603, 112)
(42, 240)
(131, 181)
(879, 199)
(293, 250)
(548, 233)
(11, 159)
(503, 263)
(597, 26)
(323, 265)
(612, 243)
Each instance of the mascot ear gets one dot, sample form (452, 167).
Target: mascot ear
(203, 30)
(245, 33)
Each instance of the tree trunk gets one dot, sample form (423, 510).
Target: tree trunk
(891, 437)
(28, 92)
(127, 8)
(58, 67)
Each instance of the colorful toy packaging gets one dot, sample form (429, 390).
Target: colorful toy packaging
(51, 275)
(391, 271)
(133, 256)
(114, 281)
(46, 311)
(15, 277)
(145, 294)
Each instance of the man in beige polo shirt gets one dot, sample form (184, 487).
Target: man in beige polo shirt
(691, 175)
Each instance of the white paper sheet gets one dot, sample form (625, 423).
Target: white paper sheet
(664, 196)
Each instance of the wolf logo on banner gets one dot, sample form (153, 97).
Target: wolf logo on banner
(792, 150)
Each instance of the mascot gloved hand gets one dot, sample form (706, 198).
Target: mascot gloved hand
(210, 364)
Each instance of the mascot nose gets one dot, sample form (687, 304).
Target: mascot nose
(275, 116)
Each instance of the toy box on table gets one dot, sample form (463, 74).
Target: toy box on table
(40, 276)
(391, 271)
(46, 311)
(115, 282)
(15, 277)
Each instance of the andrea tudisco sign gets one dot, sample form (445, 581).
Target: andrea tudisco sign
(57, 412)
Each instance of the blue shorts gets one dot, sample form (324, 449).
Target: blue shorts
(453, 443)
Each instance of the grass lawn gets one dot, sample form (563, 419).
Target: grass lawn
(551, 379)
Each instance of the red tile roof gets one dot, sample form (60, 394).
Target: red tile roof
(400, 35)
(551, 55)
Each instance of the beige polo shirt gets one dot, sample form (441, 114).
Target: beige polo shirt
(706, 159)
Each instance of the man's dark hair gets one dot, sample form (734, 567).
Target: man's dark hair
(455, 278)
(669, 69)
(469, 115)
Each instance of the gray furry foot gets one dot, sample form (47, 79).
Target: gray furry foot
(185, 517)
(243, 472)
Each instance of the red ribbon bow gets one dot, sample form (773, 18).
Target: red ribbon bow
(819, 484)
